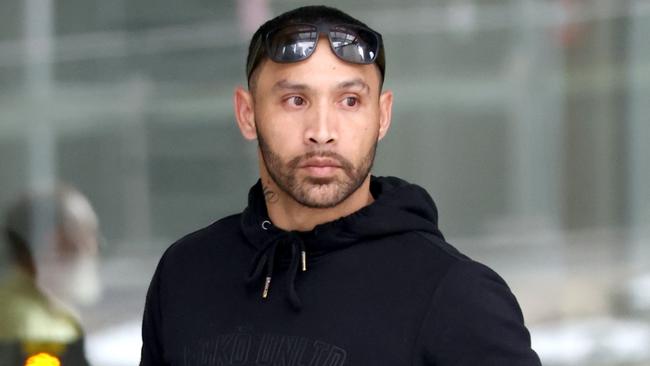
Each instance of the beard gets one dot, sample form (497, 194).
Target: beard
(316, 192)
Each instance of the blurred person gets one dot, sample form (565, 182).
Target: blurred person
(327, 265)
(52, 239)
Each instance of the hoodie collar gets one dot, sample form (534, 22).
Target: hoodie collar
(398, 207)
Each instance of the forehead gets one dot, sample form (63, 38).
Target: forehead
(323, 69)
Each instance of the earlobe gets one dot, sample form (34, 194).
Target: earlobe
(245, 113)
(385, 112)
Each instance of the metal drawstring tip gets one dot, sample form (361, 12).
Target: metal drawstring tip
(267, 285)
(303, 255)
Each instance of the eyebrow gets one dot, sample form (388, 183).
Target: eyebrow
(354, 83)
(285, 84)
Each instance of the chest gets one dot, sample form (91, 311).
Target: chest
(352, 314)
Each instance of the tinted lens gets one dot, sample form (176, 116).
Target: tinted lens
(292, 43)
(353, 44)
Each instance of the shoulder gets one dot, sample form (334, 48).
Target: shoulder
(226, 226)
(455, 280)
(437, 245)
(462, 284)
(474, 319)
(425, 250)
(217, 234)
(202, 247)
(465, 283)
(474, 284)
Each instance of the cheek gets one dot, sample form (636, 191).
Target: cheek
(359, 142)
(363, 131)
(280, 137)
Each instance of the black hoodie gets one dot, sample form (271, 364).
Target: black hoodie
(378, 287)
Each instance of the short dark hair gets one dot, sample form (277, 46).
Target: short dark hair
(305, 14)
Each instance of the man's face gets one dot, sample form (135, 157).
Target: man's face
(317, 123)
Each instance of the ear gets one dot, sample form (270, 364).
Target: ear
(245, 113)
(385, 112)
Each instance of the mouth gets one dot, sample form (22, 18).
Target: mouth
(321, 163)
(321, 167)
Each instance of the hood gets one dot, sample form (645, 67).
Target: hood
(398, 207)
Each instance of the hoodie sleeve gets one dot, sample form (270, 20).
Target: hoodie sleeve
(152, 351)
(474, 320)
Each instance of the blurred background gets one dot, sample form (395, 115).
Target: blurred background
(527, 121)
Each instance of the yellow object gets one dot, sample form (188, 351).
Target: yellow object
(42, 359)
(27, 314)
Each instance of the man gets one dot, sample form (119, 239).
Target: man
(343, 268)
(51, 238)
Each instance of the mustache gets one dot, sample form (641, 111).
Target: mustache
(345, 164)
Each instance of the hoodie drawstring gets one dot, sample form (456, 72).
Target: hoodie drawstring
(265, 258)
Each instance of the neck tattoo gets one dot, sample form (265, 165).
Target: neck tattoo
(269, 195)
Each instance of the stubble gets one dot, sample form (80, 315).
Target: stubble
(316, 192)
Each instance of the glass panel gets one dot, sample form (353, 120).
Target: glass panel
(525, 120)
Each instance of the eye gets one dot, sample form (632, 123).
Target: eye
(296, 101)
(351, 101)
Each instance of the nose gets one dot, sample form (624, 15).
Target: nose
(321, 128)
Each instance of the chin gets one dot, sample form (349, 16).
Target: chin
(322, 195)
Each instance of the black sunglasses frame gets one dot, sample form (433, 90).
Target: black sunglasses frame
(324, 29)
(264, 44)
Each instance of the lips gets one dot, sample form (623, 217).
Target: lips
(321, 163)
(321, 167)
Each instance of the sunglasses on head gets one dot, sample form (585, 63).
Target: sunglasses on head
(296, 42)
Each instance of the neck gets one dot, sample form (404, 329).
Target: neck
(287, 214)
